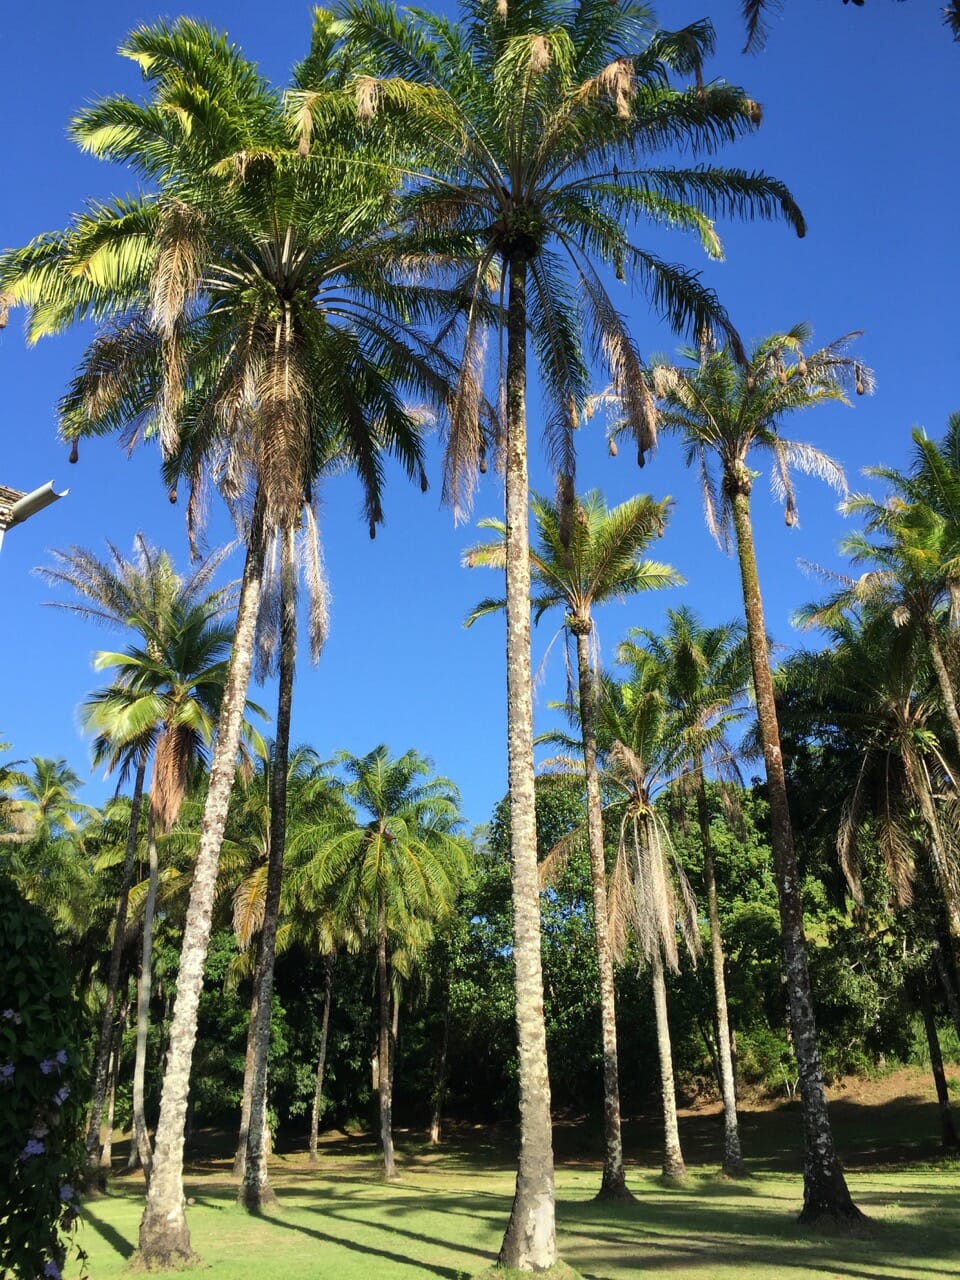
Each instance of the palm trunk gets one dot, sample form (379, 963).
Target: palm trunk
(825, 1192)
(613, 1185)
(440, 1085)
(102, 1060)
(329, 963)
(164, 1235)
(530, 1242)
(938, 856)
(106, 1151)
(948, 1133)
(255, 1190)
(240, 1155)
(943, 676)
(383, 1050)
(949, 989)
(733, 1165)
(674, 1169)
(140, 1132)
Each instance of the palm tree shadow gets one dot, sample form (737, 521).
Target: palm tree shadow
(448, 1273)
(108, 1233)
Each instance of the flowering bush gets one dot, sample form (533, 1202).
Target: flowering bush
(42, 1095)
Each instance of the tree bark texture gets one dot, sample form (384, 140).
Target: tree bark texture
(102, 1060)
(384, 1074)
(613, 1185)
(733, 1165)
(825, 1192)
(440, 1085)
(943, 676)
(530, 1241)
(328, 967)
(144, 984)
(255, 1190)
(164, 1235)
(106, 1151)
(947, 983)
(674, 1169)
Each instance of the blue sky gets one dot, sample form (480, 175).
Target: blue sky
(859, 108)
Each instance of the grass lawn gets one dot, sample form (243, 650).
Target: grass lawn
(446, 1215)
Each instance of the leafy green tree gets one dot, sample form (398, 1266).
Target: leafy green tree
(725, 411)
(599, 560)
(397, 864)
(706, 671)
(529, 131)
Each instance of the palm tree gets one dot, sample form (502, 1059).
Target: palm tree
(526, 132)
(142, 594)
(163, 703)
(249, 323)
(912, 541)
(725, 411)
(706, 671)
(599, 562)
(649, 890)
(397, 864)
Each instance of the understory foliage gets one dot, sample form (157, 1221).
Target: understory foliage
(42, 1093)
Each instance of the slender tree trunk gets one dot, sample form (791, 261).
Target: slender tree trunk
(255, 1190)
(440, 1085)
(240, 1155)
(825, 1192)
(937, 851)
(733, 1165)
(674, 1169)
(530, 1242)
(948, 1133)
(164, 1235)
(144, 983)
(949, 990)
(383, 1048)
(106, 1151)
(943, 676)
(613, 1185)
(101, 1062)
(329, 963)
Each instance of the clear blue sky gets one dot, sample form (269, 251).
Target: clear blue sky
(859, 121)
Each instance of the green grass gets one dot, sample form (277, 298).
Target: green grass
(446, 1216)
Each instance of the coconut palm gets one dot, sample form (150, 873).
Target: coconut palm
(397, 864)
(163, 704)
(599, 562)
(139, 594)
(529, 133)
(724, 412)
(706, 671)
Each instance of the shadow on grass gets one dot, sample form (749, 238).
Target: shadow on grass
(106, 1232)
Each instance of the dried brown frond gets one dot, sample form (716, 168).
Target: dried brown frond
(249, 901)
(5, 301)
(540, 55)
(369, 95)
(170, 763)
(555, 863)
(466, 445)
(664, 379)
(619, 903)
(502, 9)
(318, 591)
(617, 82)
(283, 434)
(753, 110)
(304, 127)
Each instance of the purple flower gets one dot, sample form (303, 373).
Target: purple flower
(39, 1131)
(6, 1072)
(52, 1270)
(62, 1094)
(47, 1065)
(34, 1147)
(61, 1057)
(67, 1192)
(12, 1016)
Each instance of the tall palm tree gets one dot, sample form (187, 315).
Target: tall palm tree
(248, 322)
(398, 864)
(163, 703)
(911, 540)
(600, 561)
(140, 594)
(528, 132)
(724, 412)
(706, 671)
